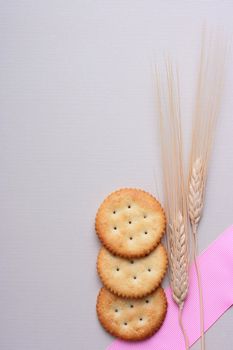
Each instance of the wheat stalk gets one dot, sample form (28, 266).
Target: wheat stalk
(208, 97)
(173, 185)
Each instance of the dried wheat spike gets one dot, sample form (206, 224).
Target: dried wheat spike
(208, 98)
(174, 184)
(196, 192)
(178, 260)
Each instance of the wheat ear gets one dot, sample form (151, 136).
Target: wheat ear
(208, 97)
(196, 192)
(168, 102)
(178, 260)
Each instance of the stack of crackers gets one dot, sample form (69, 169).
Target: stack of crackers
(132, 263)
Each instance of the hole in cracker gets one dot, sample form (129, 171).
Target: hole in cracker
(131, 238)
(130, 222)
(114, 212)
(134, 277)
(125, 323)
(140, 318)
(115, 228)
(129, 206)
(131, 262)
(149, 270)
(131, 306)
(117, 269)
(145, 232)
(145, 216)
(147, 301)
(116, 310)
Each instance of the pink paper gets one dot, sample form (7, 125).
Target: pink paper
(216, 265)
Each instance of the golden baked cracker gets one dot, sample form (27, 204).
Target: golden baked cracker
(133, 278)
(130, 223)
(131, 319)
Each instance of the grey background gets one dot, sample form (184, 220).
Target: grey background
(77, 120)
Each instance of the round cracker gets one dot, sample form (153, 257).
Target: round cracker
(130, 223)
(131, 319)
(132, 278)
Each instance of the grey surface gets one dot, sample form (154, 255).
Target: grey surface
(77, 120)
